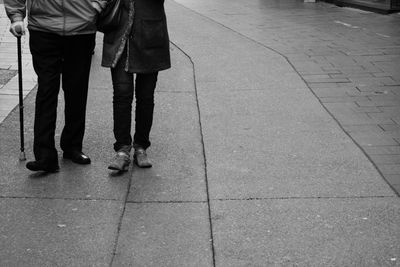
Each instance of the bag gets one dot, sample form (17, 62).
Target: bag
(110, 17)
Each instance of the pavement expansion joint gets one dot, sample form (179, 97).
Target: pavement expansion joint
(203, 152)
(296, 198)
(166, 201)
(246, 90)
(60, 198)
(174, 92)
(114, 249)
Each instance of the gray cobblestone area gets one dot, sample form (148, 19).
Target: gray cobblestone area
(349, 58)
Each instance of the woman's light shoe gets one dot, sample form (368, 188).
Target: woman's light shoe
(140, 158)
(120, 162)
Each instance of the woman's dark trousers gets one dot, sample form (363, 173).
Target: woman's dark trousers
(122, 107)
(55, 56)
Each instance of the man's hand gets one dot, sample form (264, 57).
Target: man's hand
(96, 6)
(17, 28)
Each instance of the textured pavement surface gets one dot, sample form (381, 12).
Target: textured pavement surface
(350, 59)
(275, 143)
(9, 67)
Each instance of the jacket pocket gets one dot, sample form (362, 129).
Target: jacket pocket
(153, 33)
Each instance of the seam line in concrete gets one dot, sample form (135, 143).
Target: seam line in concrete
(174, 92)
(61, 198)
(301, 77)
(254, 198)
(166, 202)
(203, 151)
(114, 251)
(15, 108)
(299, 198)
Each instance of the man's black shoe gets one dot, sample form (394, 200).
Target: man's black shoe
(77, 157)
(41, 166)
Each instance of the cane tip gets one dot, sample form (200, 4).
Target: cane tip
(22, 156)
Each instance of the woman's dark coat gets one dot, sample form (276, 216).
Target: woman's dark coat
(143, 31)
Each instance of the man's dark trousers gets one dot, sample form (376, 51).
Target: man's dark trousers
(55, 56)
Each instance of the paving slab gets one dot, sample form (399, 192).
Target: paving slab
(6, 75)
(8, 102)
(307, 232)
(164, 234)
(355, 49)
(56, 232)
(73, 181)
(277, 141)
(179, 78)
(176, 152)
(393, 179)
(280, 154)
(93, 181)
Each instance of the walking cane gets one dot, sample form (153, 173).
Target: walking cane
(21, 98)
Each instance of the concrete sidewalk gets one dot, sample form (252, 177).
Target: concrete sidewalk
(349, 59)
(254, 161)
